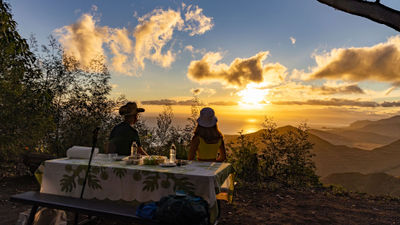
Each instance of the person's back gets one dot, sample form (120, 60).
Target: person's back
(207, 143)
(122, 137)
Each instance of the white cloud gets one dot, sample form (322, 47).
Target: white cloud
(196, 21)
(151, 39)
(293, 40)
(154, 31)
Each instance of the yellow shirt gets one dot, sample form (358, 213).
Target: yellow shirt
(207, 151)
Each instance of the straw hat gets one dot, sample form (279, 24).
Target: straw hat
(207, 117)
(130, 109)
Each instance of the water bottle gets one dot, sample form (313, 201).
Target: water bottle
(172, 154)
(134, 149)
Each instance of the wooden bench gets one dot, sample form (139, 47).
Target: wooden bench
(81, 206)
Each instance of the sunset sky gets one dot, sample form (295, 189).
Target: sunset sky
(297, 61)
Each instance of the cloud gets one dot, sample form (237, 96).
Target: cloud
(343, 89)
(207, 91)
(338, 102)
(194, 51)
(223, 103)
(169, 102)
(189, 48)
(83, 40)
(185, 102)
(127, 50)
(196, 91)
(239, 73)
(391, 104)
(153, 32)
(293, 40)
(377, 63)
(197, 22)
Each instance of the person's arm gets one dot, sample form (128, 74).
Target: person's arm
(222, 152)
(142, 151)
(194, 144)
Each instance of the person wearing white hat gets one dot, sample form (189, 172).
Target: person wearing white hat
(207, 143)
(123, 135)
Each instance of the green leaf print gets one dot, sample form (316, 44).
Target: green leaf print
(183, 184)
(67, 183)
(93, 182)
(151, 182)
(120, 172)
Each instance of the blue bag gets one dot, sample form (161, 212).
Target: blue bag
(146, 211)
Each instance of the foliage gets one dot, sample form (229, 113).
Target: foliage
(24, 103)
(244, 160)
(284, 157)
(79, 102)
(158, 140)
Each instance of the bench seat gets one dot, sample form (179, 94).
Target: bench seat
(82, 206)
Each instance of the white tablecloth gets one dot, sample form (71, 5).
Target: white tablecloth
(114, 180)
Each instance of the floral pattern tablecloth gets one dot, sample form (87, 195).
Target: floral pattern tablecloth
(114, 180)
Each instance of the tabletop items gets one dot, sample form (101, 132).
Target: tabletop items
(81, 152)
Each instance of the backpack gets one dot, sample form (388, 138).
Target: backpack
(182, 210)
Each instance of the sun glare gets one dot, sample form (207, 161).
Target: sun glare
(253, 96)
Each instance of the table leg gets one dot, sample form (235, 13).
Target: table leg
(76, 219)
(32, 214)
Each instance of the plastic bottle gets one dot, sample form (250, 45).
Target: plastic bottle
(172, 154)
(134, 149)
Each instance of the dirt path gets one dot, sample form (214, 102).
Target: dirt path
(255, 206)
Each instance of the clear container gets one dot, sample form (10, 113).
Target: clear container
(172, 154)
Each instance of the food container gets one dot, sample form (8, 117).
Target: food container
(132, 162)
(153, 160)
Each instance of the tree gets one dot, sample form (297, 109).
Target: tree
(79, 100)
(24, 103)
(374, 11)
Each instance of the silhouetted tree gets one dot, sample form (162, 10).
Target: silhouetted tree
(374, 11)
(24, 115)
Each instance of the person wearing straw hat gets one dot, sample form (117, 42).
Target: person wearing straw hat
(123, 135)
(207, 143)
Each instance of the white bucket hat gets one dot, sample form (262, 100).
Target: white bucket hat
(207, 117)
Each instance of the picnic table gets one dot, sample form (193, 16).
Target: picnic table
(115, 181)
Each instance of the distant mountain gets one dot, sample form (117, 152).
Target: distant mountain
(375, 184)
(364, 134)
(389, 127)
(331, 158)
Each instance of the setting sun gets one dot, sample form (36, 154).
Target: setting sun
(253, 96)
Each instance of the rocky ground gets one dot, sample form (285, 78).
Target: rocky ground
(253, 205)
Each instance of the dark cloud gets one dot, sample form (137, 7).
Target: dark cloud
(168, 102)
(348, 89)
(330, 102)
(196, 91)
(391, 104)
(380, 62)
(223, 103)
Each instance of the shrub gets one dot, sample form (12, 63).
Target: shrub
(280, 156)
(244, 160)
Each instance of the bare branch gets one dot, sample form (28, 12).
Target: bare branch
(371, 10)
